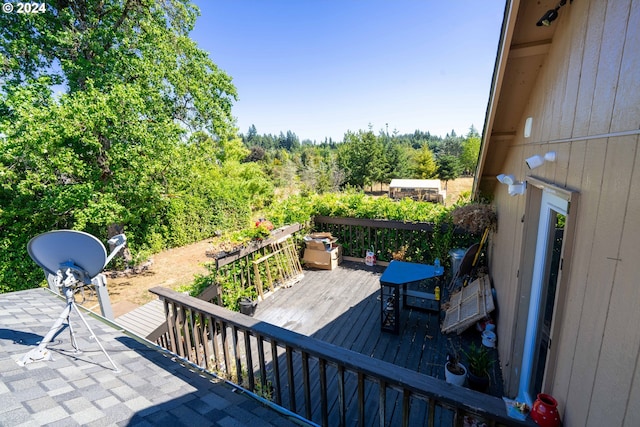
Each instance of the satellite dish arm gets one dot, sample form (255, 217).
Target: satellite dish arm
(119, 241)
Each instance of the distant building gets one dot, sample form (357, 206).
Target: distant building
(428, 190)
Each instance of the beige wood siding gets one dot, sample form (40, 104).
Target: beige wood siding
(585, 105)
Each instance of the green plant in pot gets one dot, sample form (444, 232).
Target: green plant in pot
(480, 362)
(454, 371)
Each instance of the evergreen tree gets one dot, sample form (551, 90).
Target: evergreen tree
(360, 157)
(425, 164)
(448, 168)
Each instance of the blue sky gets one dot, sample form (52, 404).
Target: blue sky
(320, 68)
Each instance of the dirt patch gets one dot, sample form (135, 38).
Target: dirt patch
(458, 187)
(178, 266)
(170, 269)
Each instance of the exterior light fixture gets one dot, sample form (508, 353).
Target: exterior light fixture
(513, 187)
(527, 127)
(538, 160)
(517, 189)
(506, 179)
(551, 15)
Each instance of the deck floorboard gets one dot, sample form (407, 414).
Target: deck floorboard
(342, 307)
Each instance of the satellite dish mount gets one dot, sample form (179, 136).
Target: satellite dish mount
(71, 259)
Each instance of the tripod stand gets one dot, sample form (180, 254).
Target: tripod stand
(68, 284)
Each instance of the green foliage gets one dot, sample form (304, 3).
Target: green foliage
(352, 204)
(360, 156)
(424, 163)
(448, 168)
(479, 359)
(142, 135)
(470, 153)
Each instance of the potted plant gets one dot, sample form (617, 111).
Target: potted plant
(480, 362)
(454, 371)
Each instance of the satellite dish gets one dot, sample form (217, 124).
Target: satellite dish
(52, 249)
(75, 259)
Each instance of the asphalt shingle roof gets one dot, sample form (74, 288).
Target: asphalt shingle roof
(152, 388)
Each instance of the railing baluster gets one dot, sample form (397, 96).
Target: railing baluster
(361, 398)
(215, 341)
(248, 355)
(197, 334)
(237, 354)
(169, 310)
(261, 363)
(382, 402)
(292, 387)
(206, 340)
(322, 371)
(406, 407)
(432, 413)
(305, 384)
(276, 371)
(226, 346)
(341, 397)
(181, 332)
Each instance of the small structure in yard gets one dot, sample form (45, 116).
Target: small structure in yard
(429, 190)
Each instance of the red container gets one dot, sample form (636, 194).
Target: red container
(545, 411)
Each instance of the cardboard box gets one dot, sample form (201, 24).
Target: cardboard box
(317, 245)
(319, 241)
(323, 259)
(323, 235)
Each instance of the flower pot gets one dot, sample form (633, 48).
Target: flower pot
(477, 383)
(454, 378)
(489, 339)
(247, 306)
(545, 411)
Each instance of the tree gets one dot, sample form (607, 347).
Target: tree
(360, 157)
(425, 164)
(142, 109)
(252, 134)
(448, 168)
(470, 152)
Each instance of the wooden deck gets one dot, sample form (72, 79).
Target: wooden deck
(323, 378)
(342, 307)
(144, 319)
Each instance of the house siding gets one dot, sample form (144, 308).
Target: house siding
(586, 107)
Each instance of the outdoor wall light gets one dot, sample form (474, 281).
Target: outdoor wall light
(517, 189)
(551, 15)
(538, 160)
(513, 187)
(506, 179)
(527, 127)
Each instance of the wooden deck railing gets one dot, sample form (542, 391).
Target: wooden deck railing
(319, 381)
(419, 241)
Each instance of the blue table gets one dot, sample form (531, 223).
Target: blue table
(394, 280)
